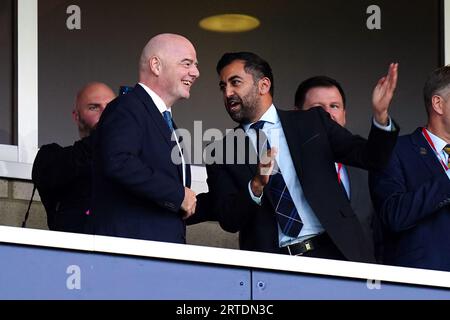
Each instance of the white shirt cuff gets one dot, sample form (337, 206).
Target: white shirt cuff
(390, 127)
(258, 200)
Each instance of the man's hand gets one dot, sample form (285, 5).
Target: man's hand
(265, 168)
(189, 203)
(383, 93)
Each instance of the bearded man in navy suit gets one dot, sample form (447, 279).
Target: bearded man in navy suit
(307, 214)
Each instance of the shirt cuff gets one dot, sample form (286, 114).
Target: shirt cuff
(257, 200)
(390, 126)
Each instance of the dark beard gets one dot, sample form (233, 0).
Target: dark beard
(249, 107)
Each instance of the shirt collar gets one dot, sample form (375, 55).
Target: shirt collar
(156, 99)
(271, 116)
(439, 144)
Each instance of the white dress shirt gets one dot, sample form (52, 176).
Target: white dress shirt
(276, 137)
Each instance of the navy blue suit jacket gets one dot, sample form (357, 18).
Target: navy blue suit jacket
(137, 189)
(412, 197)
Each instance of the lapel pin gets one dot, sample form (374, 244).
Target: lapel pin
(423, 151)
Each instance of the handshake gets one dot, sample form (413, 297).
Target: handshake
(189, 203)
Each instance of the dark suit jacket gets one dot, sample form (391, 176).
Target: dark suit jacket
(316, 142)
(62, 176)
(412, 197)
(137, 189)
(361, 203)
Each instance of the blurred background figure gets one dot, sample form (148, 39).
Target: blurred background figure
(63, 175)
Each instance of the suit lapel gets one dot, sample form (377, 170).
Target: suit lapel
(160, 123)
(295, 137)
(424, 151)
(180, 166)
(351, 179)
(155, 115)
(188, 175)
(358, 183)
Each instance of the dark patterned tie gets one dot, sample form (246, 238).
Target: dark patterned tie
(447, 151)
(287, 214)
(168, 117)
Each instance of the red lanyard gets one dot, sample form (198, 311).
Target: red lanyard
(430, 142)
(339, 173)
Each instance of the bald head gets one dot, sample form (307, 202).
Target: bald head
(90, 102)
(163, 46)
(169, 66)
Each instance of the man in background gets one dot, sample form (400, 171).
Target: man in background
(326, 93)
(62, 175)
(412, 194)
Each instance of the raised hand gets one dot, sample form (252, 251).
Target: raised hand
(383, 94)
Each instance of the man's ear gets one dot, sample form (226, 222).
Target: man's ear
(75, 116)
(155, 65)
(264, 85)
(438, 104)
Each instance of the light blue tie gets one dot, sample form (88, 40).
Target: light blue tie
(168, 117)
